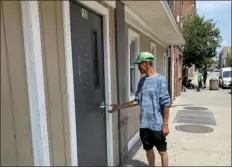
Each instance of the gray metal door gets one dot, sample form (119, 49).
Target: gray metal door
(88, 68)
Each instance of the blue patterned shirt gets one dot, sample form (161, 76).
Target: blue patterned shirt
(152, 95)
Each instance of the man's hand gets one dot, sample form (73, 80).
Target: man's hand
(165, 131)
(115, 107)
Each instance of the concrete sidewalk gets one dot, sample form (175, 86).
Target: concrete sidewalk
(196, 149)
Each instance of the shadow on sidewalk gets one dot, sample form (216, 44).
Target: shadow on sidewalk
(134, 162)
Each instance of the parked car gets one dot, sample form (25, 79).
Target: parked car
(225, 77)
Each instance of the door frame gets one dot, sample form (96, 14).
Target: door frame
(35, 82)
(104, 12)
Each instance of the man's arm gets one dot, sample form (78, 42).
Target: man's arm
(166, 116)
(132, 103)
(125, 105)
(166, 103)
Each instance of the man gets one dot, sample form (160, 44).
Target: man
(184, 84)
(204, 77)
(199, 79)
(153, 97)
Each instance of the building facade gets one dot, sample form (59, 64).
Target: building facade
(62, 64)
(223, 57)
(179, 10)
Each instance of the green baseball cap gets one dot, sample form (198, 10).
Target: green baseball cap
(144, 56)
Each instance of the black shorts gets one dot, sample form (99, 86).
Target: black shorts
(152, 138)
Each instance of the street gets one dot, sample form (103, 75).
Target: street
(200, 130)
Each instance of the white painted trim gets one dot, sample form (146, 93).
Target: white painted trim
(111, 3)
(153, 45)
(139, 22)
(108, 96)
(132, 35)
(145, 32)
(70, 82)
(95, 6)
(171, 18)
(165, 64)
(133, 141)
(35, 82)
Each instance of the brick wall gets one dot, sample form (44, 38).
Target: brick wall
(178, 65)
(178, 12)
(189, 7)
(181, 8)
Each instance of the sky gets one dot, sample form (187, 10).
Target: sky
(220, 12)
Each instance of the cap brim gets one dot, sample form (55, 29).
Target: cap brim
(136, 61)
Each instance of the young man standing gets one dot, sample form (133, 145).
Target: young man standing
(153, 97)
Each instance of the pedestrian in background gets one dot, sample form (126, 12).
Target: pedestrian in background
(199, 79)
(204, 77)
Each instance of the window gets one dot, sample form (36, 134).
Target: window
(153, 51)
(227, 74)
(180, 66)
(96, 77)
(133, 51)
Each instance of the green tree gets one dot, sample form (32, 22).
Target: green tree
(202, 39)
(208, 62)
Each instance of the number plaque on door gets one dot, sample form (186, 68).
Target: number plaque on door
(84, 13)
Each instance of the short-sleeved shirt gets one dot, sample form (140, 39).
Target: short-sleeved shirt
(152, 96)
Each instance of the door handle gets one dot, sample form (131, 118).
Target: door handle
(103, 105)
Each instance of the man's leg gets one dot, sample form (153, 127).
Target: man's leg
(150, 157)
(205, 82)
(199, 86)
(161, 146)
(146, 138)
(164, 158)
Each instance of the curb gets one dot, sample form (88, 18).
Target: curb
(223, 90)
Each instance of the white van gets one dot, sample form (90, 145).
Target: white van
(225, 77)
